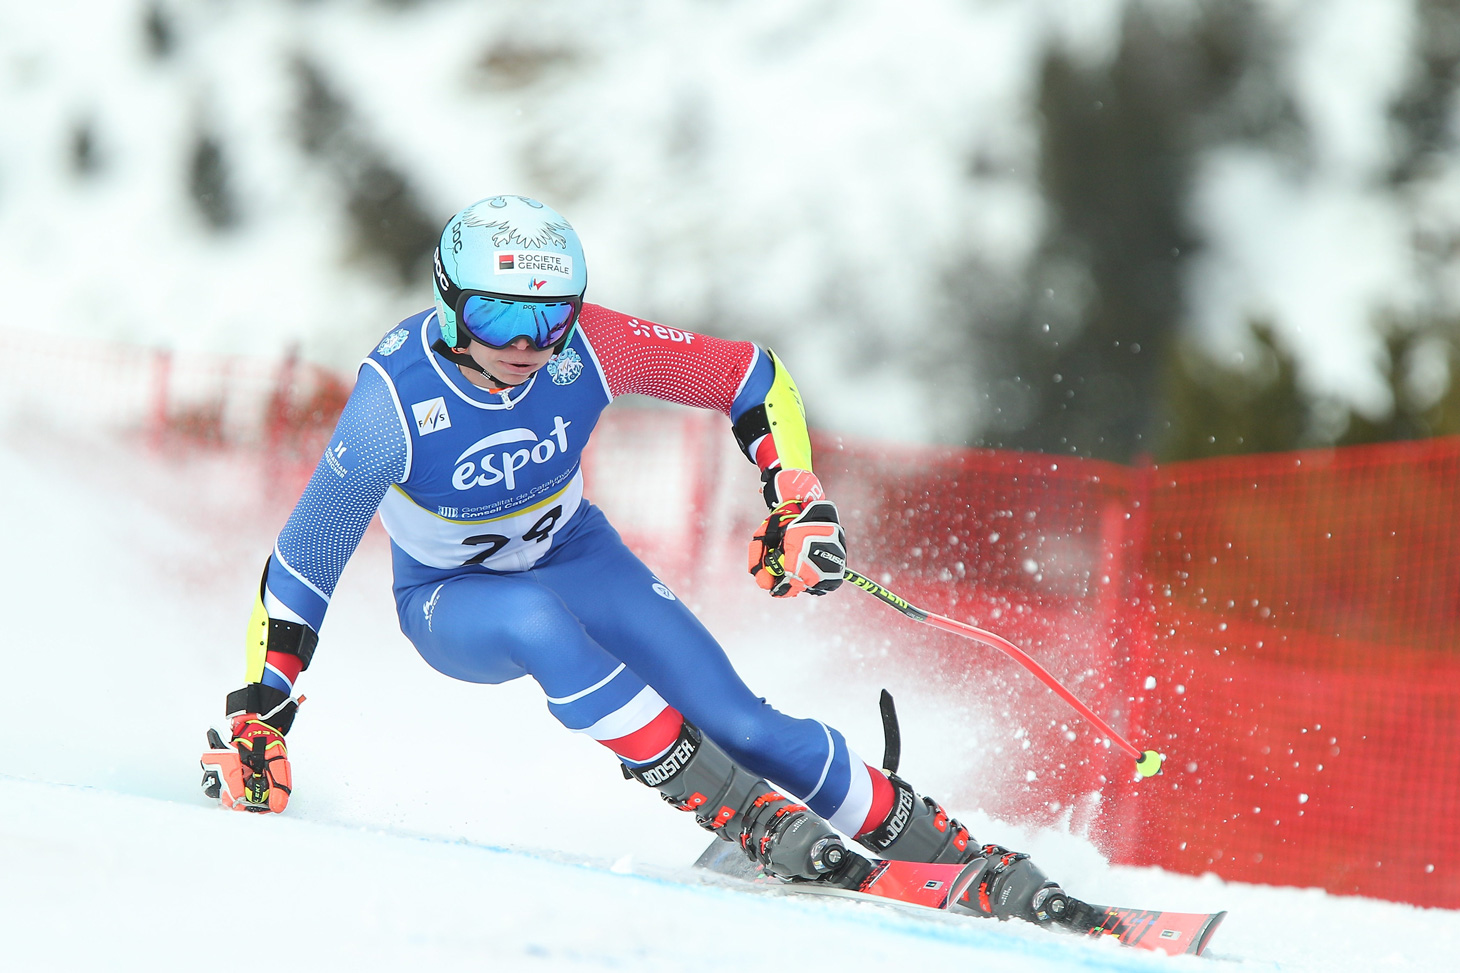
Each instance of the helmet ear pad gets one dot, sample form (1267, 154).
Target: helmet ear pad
(449, 330)
(445, 315)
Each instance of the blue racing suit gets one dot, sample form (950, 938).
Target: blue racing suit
(503, 568)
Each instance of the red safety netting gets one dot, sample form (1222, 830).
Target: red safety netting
(1307, 604)
(1284, 627)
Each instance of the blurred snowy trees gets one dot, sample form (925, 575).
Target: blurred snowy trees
(1094, 357)
(1114, 228)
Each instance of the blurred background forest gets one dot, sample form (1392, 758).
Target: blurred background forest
(1113, 229)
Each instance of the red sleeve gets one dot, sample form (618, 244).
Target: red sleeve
(643, 358)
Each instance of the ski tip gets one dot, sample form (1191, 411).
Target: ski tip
(1204, 934)
(1150, 764)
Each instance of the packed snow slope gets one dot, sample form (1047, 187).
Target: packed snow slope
(435, 824)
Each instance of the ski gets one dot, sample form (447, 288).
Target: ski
(942, 887)
(1151, 929)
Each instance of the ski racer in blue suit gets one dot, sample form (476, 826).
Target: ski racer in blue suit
(465, 431)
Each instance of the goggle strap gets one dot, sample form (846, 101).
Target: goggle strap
(440, 347)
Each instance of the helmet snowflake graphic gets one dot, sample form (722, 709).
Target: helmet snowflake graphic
(530, 225)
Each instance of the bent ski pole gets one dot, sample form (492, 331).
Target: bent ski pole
(1148, 762)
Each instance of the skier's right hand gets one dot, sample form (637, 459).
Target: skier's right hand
(800, 546)
(251, 771)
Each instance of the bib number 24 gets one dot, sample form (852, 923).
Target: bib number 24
(492, 543)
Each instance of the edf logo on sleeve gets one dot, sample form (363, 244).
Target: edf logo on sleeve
(431, 416)
(641, 330)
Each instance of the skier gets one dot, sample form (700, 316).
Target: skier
(465, 430)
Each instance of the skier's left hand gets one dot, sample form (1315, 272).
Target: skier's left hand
(251, 771)
(800, 546)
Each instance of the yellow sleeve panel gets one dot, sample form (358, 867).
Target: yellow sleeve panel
(786, 416)
(256, 640)
(265, 635)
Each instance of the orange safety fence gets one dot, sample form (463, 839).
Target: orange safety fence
(1283, 626)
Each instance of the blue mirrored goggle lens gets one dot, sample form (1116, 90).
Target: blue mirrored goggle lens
(498, 323)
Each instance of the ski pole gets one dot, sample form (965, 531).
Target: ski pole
(1148, 762)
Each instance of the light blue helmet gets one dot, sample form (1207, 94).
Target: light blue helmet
(507, 249)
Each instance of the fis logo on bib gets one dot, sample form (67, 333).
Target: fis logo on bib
(431, 416)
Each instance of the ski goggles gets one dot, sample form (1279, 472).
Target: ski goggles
(497, 320)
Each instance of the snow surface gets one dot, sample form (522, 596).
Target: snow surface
(435, 825)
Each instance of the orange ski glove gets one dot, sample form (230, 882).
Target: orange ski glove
(800, 546)
(251, 771)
